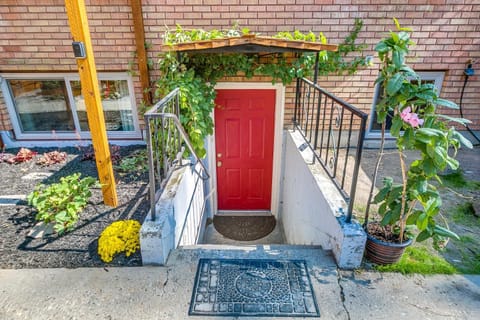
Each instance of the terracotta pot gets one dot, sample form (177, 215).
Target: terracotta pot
(381, 252)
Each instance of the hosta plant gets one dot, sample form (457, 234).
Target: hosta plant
(60, 203)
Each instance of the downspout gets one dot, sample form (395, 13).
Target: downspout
(141, 52)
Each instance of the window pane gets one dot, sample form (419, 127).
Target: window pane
(116, 103)
(41, 105)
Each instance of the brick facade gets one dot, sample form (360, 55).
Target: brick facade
(35, 36)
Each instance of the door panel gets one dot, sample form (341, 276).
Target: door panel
(244, 133)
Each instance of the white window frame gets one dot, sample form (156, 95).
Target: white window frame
(67, 77)
(436, 76)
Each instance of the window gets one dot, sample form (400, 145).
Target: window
(434, 77)
(44, 106)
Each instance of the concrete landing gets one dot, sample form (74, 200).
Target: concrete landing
(165, 292)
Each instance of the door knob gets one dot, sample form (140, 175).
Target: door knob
(219, 163)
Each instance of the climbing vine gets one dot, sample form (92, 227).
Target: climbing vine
(197, 74)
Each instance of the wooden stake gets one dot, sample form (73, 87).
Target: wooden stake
(141, 52)
(77, 17)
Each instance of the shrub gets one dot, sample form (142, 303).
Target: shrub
(61, 202)
(119, 236)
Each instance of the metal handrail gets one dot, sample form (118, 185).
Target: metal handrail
(316, 125)
(163, 164)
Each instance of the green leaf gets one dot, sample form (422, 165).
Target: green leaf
(462, 121)
(397, 124)
(424, 235)
(445, 232)
(394, 84)
(382, 47)
(397, 58)
(462, 139)
(446, 103)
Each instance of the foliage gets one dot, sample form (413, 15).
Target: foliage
(456, 179)
(465, 214)
(23, 155)
(118, 237)
(416, 125)
(197, 74)
(60, 203)
(136, 163)
(89, 153)
(419, 260)
(52, 157)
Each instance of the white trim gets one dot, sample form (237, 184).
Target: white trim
(67, 77)
(277, 143)
(436, 76)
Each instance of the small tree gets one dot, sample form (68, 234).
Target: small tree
(416, 125)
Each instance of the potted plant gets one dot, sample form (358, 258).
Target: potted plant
(413, 202)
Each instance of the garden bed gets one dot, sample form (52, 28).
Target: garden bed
(77, 248)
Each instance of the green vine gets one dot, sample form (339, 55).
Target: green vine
(197, 74)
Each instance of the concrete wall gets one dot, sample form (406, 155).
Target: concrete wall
(312, 208)
(189, 199)
(159, 237)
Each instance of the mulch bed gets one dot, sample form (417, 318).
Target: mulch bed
(77, 248)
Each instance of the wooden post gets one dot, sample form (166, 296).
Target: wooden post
(77, 17)
(141, 52)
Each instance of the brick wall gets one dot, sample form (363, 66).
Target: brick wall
(35, 37)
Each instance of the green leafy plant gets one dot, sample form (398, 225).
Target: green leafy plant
(136, 163)
(197, 74)
(60, 203)
(412, 105)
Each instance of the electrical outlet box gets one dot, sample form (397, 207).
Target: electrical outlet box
(79, 50)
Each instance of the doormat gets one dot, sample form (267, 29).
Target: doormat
(262, 288)
(244, 228)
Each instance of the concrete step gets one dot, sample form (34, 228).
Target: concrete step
(313, 255)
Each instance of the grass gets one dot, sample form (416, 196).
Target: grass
(465, 214)
(419, 260)
(456, 179)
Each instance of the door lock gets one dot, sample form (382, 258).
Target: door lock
(219, 155)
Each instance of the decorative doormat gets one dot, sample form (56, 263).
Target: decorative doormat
(263, 288)
(244, 228)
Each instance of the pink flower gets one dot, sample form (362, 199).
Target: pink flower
(411, 117)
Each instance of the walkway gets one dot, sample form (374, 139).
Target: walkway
(164, 292)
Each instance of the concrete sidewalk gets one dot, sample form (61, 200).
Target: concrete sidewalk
(165, 292)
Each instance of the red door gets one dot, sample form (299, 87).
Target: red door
(244, 132)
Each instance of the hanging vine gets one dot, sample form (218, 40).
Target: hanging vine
(197, 74)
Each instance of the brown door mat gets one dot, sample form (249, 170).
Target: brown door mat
(244, 228)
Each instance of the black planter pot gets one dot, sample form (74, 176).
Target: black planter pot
(381, 252)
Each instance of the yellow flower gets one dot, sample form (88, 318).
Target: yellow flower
(119, 236)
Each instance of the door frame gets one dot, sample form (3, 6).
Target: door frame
(277, 141)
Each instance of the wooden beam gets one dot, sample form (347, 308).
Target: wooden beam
(77, 17)
(141, 52)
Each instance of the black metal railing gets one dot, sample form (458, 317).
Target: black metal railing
(167, 145)
(335, 131)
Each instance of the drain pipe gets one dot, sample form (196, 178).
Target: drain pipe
(469, 71)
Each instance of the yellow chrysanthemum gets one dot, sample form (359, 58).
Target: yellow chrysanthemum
(120, 236)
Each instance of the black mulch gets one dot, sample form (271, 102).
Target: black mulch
(77, 248)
